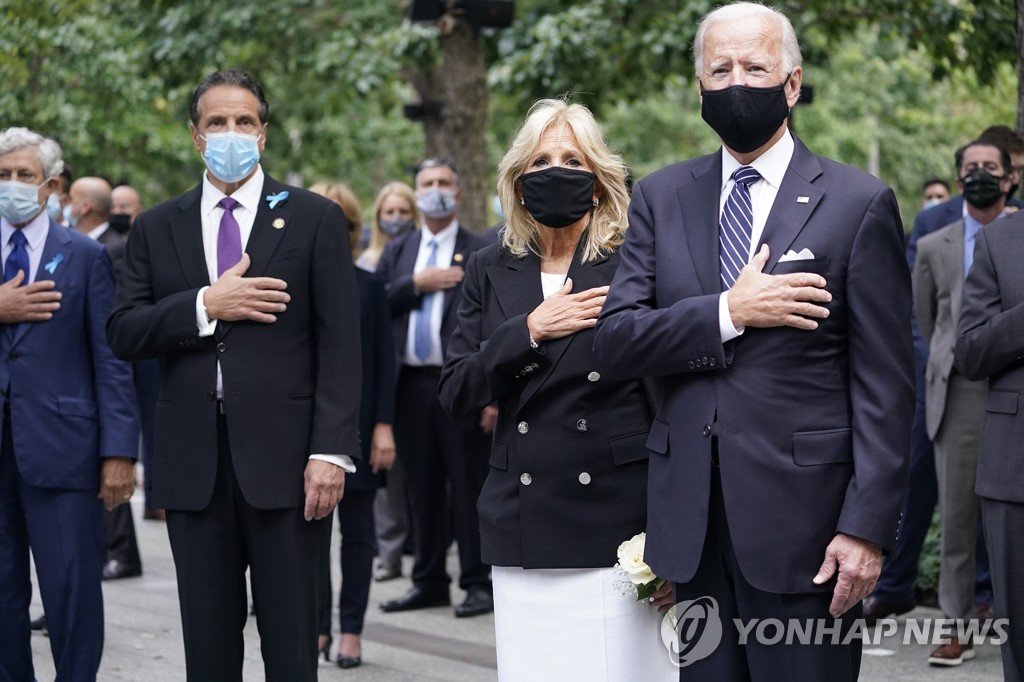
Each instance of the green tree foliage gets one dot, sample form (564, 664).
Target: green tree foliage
(111, 80)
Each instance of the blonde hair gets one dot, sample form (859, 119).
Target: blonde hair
(343, 196)
(378, 238)
(608, 220)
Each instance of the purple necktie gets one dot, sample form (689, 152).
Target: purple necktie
(229, 237)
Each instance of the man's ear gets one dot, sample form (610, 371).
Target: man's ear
(196, 141)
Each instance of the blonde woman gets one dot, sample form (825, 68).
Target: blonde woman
(394, 214)
(568, 467)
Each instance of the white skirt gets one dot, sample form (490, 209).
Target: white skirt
(573, 624)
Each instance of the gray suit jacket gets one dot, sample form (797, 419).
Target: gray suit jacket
(990, 344)
(938, 295)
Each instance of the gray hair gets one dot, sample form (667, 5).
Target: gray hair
(49, 151)
(790, 50)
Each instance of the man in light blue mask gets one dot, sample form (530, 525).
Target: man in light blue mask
(245, 288)
(65, 446)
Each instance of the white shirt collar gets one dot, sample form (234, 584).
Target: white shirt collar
(248, 195)
(772, 165)
(443, 238)
(97, 232)
(35, 231)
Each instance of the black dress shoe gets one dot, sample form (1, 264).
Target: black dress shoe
(115, 570)
(478, 602)
(875, 609)
(418, 598)
(349, 661)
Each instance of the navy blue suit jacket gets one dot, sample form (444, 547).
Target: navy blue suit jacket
(813, 426)
(72, 401)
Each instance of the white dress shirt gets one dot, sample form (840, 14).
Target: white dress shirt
(35, 232)
(772, 165)
(97, 232)
(445, 250)
(248, 198)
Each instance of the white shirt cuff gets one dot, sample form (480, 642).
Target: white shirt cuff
(205, 325)
(725, 326)
(343, 461)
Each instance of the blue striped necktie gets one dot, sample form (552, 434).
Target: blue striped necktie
(422, 341)
(737, 226)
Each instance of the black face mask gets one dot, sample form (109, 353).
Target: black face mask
(557, 196)
(120, 222)
(981, 188)
(745, 117)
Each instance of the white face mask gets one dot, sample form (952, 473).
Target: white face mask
(19, 201)
(928, 203)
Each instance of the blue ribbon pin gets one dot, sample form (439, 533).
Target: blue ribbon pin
(275, 199)
(52, 265)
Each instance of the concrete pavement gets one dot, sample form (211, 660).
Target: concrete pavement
(143, 636)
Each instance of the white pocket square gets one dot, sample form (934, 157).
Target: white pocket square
(803, 254)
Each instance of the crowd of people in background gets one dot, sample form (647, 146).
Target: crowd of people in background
(600, 363)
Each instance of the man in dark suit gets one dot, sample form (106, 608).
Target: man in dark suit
(69, 422)
(423, 273)
(990, 345)
(894, 593)
(953, 404)
(245, 288)
(767, 286)
(90, 209)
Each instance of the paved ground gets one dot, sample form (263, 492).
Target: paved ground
(143, 637)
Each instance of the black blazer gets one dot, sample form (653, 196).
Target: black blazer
(291, 388)
(377, 405)
(568, 466)
(394, 269)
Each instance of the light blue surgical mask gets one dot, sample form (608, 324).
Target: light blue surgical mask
(231, 156)
(66, 215)
(19, 201)
(53, 207)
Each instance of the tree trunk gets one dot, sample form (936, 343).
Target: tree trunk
(426, 81)
(464, 115)
(1020, 67)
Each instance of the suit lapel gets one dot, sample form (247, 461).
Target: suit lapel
(699, 203)
(187, 235)
(53, 263)
(265, 237)
(459, 258)
(517, 285)
(794, 204)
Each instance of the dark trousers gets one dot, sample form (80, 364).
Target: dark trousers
(64, 529)
(119, 536)
(284, 554)
(1004, 528)
(358, 543)
(443, 462)
(718, 576)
